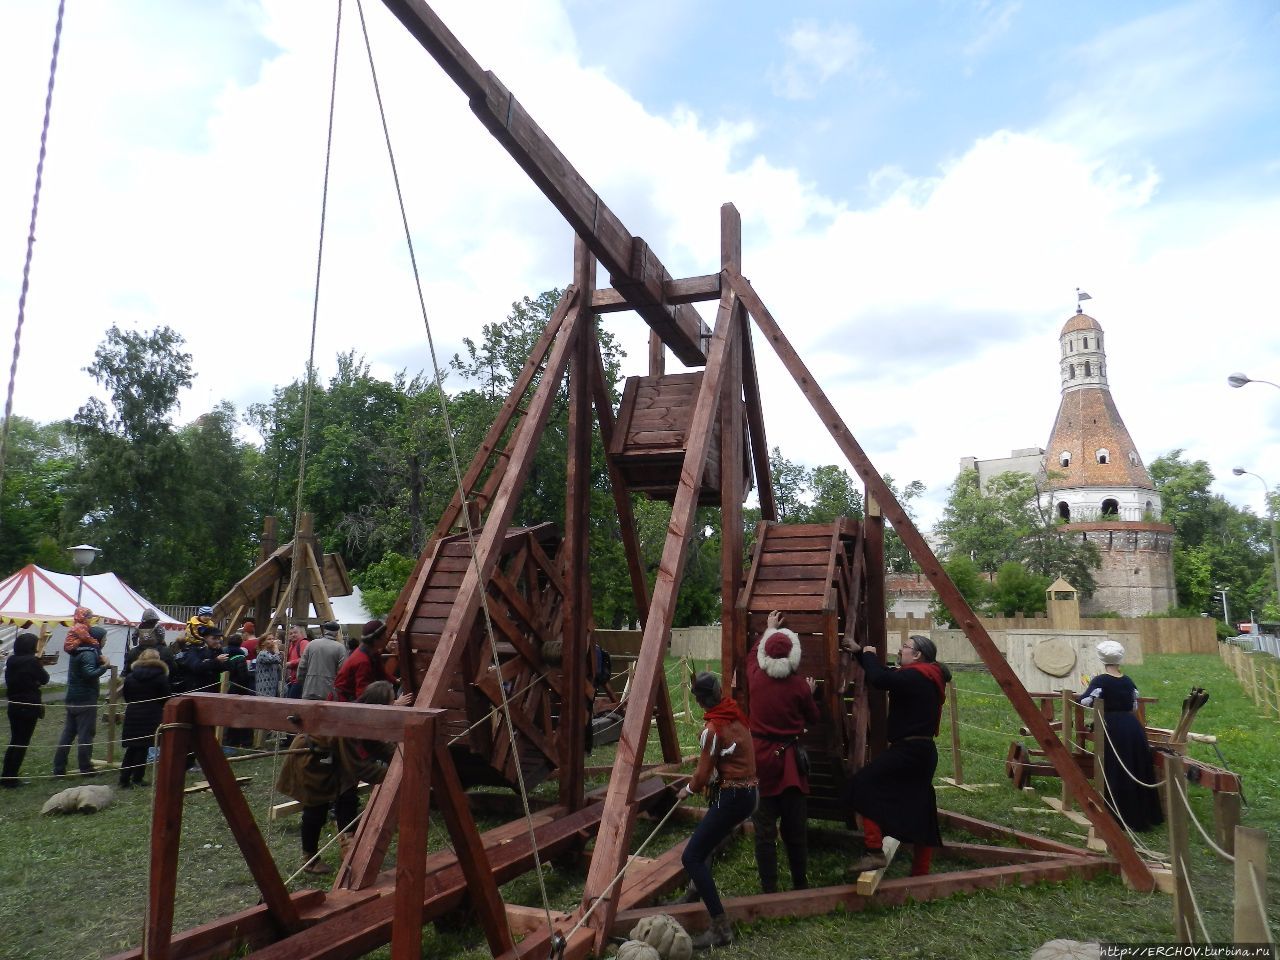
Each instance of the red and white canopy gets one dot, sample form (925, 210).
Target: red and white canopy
(41, 596)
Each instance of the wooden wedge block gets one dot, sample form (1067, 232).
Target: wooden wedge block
(203, 785)
(869, 880)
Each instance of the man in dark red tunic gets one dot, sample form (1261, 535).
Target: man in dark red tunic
(364, 665)
(894, 792)
(782, 706)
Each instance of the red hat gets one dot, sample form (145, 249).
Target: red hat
(778, 653)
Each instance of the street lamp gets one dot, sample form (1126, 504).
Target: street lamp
(1266, 493)
(1239, 380)
(82, 556)
(1226, 613)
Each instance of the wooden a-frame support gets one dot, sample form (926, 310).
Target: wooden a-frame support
(728, 392)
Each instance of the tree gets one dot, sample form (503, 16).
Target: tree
(380, 583)
(1004, 524)
(1017, 590)
(128, 496)
(1216, 544)
(964, 573)
(39, 462)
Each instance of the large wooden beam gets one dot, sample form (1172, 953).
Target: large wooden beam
(1135, 869)
(619, 815)
(634, 270)
(374, 833)
(574, 706)
(733, 634)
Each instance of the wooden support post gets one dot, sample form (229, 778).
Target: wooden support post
(1179, 850)
(755, 426)
(300, 598)
(235, 810)
(1226, 817)
(1068, 741)
(1133, 867)
(166, 827)
(733, 638)
(1251, 887)
(484, 896)
(266, 547)
(113, 707)
(575, 711)
(224, 684)
(957, 762)
(411, 856)
(657, 355)
(619, 808)
(1099, 750)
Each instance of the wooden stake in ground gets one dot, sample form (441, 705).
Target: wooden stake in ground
(1179, 850)
(1251, 887)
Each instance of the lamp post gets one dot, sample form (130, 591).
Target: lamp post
(1238, 380)
(1271, 512)
(1226, 612)
(82, 556)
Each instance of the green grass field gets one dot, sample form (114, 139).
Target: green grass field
(74, 887)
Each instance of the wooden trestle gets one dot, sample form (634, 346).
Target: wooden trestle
(483, 583)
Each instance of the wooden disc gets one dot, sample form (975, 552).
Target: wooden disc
(1055, 656)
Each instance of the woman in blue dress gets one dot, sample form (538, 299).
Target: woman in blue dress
(1127, 762)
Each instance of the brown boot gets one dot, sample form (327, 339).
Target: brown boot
(314, 865)
(871, 860)
(345, 840)
(719, 934)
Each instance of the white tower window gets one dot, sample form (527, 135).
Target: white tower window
(1103, 455)
(1133, 457)
(1064, 458)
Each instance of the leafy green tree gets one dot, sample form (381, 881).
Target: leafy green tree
(1017, 590)
(128, 495)
(39, 463)
(1216, 543)
(214, 546)
(973, 586)
(1003, 524)
(380, 583)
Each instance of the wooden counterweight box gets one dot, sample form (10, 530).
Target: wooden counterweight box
(652, 433)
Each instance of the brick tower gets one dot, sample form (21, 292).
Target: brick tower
(1097, 486)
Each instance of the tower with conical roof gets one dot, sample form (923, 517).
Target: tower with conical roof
(1097, 486)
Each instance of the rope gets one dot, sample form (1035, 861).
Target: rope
(1181, 790)
(31, 242)
(457, 471)
(1119, 759)
(315, 302)
(982, 693)
(62, 705)
(630, 860)
(974, 726)
(1195, 907)
(1257, 897)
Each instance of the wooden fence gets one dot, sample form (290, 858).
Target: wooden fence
(1258, 673)
(1157, 634)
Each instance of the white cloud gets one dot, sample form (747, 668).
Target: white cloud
(930, 315)
(814, 54)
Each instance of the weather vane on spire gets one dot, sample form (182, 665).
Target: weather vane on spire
(1081, 297)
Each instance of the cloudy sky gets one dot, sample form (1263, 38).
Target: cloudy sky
(922, 186)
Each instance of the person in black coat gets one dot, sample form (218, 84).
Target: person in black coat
(145, 690)
(23, 677)
(1127, 766)
(894, 792)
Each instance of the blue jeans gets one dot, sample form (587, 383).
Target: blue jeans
(81, 724)
(732, 806)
